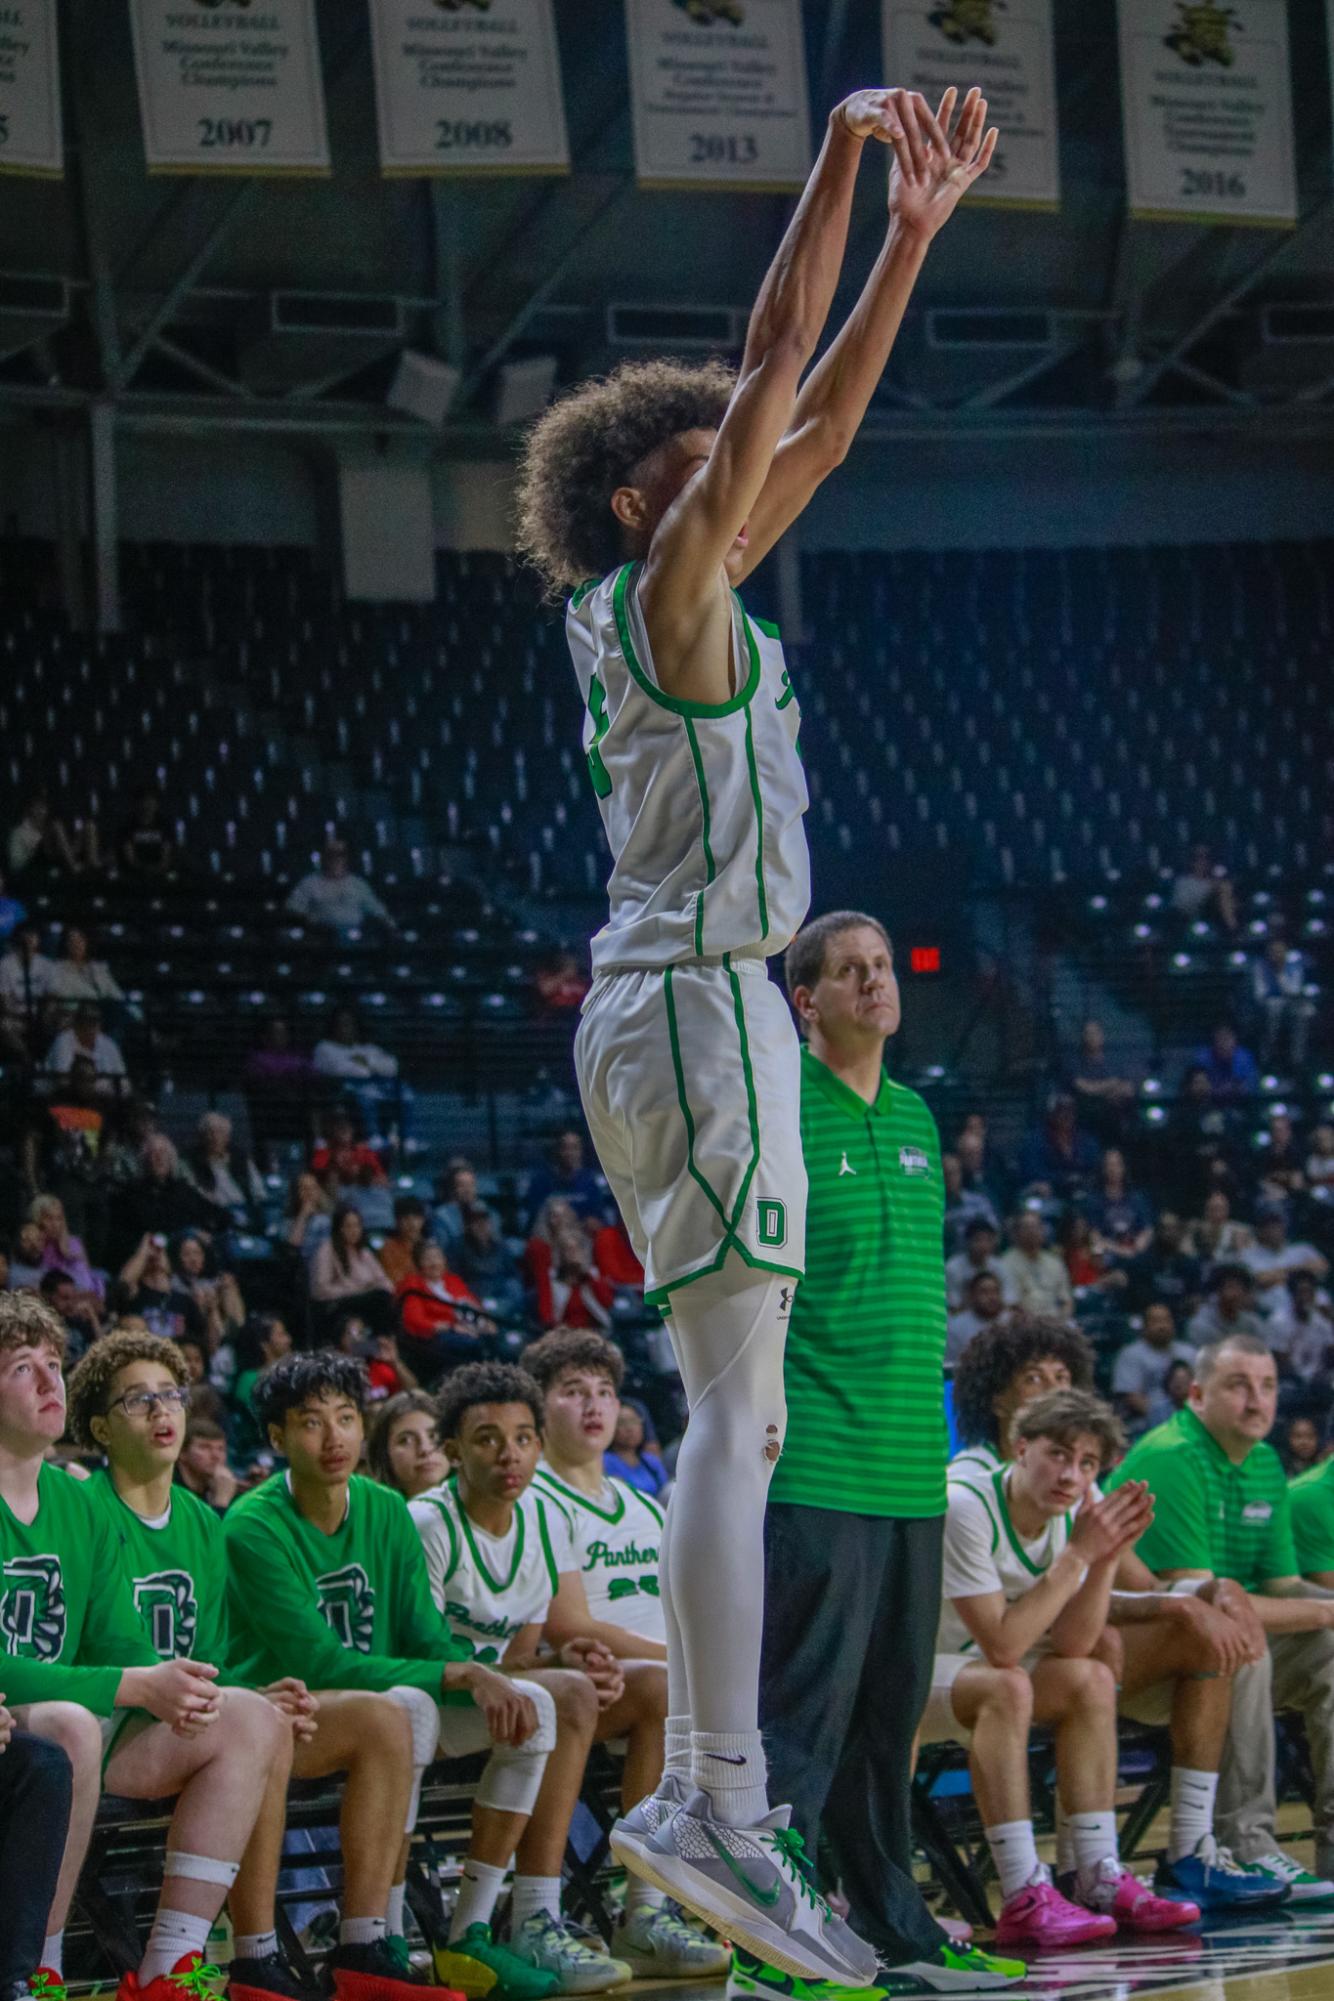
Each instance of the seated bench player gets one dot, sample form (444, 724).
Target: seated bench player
(610, 1593)
(1175, 1656)
(81, 1674)
(495, 1550)
(1222, 1511)
(1029, 1560)
(324, 1569)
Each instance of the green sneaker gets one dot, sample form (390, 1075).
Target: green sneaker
(476, 1966)
(751, 1980)
(963, 1969)
(1303, 1887)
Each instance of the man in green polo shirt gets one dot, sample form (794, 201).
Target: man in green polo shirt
(1312, 1499)
(1222, 1509)
(857, 1505)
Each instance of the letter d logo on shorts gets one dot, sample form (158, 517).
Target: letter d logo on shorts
(771, 1224)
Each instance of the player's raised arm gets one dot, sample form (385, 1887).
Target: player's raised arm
(683, 570)
(936, 160)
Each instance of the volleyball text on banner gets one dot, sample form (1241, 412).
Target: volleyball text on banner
(229, 91)
(718, 90)
(1206, 90)
(1006, 47)
(468, 91)
(30, 135)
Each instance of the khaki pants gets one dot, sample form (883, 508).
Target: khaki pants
(1298, 1674)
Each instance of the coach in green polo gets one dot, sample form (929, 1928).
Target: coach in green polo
(1222, 1508)
(857, 1506)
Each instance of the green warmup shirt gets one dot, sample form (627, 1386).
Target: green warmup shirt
(866, 1343)
(67, 1622)
(1311, 1497)
(348, 1610)
(1209, 1514)
(176, 1570)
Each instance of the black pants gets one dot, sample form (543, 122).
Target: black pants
(35, 1791)
(850, 1612)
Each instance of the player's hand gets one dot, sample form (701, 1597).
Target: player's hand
(6, 1725)
(869, 114)
(511, 1716)
(181, 1694)
(603, 1669)
(937, 158)
(1104, 1529)
(1235, 1604)
(1221, 1639)
(295, 1701)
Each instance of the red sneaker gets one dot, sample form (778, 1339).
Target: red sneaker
(1039, 1916)
(191, 1979)
(1116, 1893)
(47, 1985)
(380, 1972)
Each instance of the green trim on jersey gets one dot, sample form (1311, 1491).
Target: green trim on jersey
(760, 896)
(552, 1572)
(496, 1584)
(563, 1492)
(455, 1547)
(706, 829)
(581, 591)
(768, 628)
(679, 707)
(673, 1037)
(864, 1363)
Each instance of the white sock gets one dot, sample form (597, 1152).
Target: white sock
(53, 1952)
(678, 1747)
(255, 1945)
(641, 1896)
(479, 1891)
(1065, 1843)
(731, 1769)
(361, 1931)
(532, 1894)
(1015, 1854)
(1193, 1796)
(174, 1935)
(393, 1917)
(1095, 1842)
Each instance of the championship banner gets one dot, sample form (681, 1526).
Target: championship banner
(1008, 48)
(30, 134)
(718, 91)
(459, 90)
(1206, 91)
(226, 90)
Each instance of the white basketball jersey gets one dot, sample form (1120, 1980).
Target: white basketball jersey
(490, 1587)
(616, 1541)
(984, 1553)
(702, 803)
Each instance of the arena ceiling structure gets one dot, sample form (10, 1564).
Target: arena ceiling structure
(167, 303)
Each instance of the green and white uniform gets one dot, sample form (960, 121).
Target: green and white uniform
(686, 1054)
(615, 1540)
(984, 1553)
(67, 1621)
(176, 1570)
(490, 1587)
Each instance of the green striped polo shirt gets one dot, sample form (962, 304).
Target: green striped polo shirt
(866, 1343)
(1208, 1512)
(1312, 1499)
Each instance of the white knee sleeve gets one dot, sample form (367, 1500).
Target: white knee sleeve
(513, 1776)
(424, 1717)
(200, 1868)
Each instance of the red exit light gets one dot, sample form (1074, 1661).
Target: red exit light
(924, 958)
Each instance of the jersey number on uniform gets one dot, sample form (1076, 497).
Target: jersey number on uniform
(32, 1608)
(597, 709)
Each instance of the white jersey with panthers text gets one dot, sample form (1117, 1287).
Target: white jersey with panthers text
(616, 1540)
(702, 802)
(490, 1587)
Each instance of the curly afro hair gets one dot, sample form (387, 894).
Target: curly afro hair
(485, 1382)
(573, 1348)
(992, 1360)
(89, 1388)
(589, 443)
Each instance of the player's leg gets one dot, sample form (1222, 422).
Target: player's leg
(218, 1779)
(1077, 1699)
(74, 1734)
(36, 1792)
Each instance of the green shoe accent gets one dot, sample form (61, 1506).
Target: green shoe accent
(971, 1959)
(485, 1971)
(750, 1977)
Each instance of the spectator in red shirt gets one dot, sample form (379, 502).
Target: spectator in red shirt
(562, 983)
(438, 1336)
(614, 1255)
(571, 1292)
(352, 1160)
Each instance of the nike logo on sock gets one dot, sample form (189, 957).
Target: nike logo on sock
(727, 1757)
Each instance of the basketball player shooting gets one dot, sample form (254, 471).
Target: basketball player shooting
(650, 496)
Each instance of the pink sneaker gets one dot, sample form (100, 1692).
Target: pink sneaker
(1038, 1915)
(1135, 1907)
